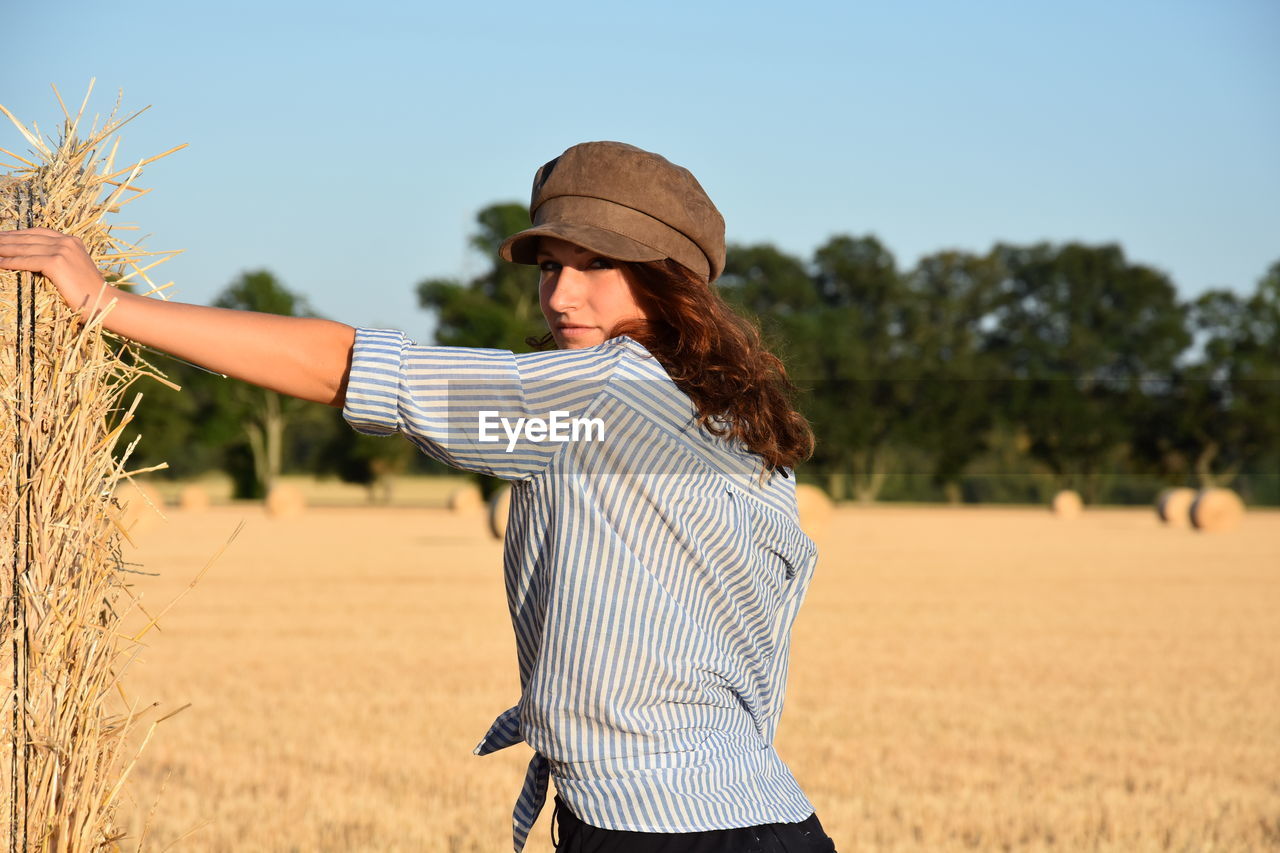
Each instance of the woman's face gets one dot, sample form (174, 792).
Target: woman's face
(583, 295)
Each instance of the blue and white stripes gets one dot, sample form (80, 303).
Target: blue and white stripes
(652, 578)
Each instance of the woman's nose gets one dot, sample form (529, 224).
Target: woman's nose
(568, 291)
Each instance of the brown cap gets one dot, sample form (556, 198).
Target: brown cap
(625, 203)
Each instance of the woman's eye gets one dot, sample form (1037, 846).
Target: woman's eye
(602, 264)
(548, 266)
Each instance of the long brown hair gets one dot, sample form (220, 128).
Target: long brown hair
(739, 388)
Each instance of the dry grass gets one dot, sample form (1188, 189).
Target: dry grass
(1012, 681)
(963, 679)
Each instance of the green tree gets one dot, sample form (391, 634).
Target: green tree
(1218, 417)
(498, 308)
(263, 415)
(858, 352)
(764, 282)
(953, 410)
(838, 324)
(1187, 433)
(1078, 331)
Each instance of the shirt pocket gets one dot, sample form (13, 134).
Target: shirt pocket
(783, 550)
(789, 564)
(767, 562)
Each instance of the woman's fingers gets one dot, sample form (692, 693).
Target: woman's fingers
(58, 257)
(54, 259)
(15, 242)
(28, 243)
(17, 248)
(38, 237)
(25, 260)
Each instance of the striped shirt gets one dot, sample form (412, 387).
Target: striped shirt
(652, 573)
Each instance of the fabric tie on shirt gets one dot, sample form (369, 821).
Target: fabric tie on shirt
(505, 732)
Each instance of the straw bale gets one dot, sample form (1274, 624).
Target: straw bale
(814, 508)
(1067, 504)
(285, 500)
(467, 500)
(499, 511)
(1217, 510)
(193, 498)
(1173, 506)
(65, 729)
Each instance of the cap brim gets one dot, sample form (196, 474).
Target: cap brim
(522, 247)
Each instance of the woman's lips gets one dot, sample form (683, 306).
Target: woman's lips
(571, 330)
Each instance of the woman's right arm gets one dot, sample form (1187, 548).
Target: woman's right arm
(303, 357)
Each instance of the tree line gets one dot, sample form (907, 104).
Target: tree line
(993, 377)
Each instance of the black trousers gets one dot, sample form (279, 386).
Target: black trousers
(574, 836)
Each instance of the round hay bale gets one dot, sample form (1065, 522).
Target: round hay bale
(285, 500)
(140, 506)
(1174, 506)
(499, 510)
(1217, 510)
(814, 508)
(193, 498)
(1067, 504)
(466, 500)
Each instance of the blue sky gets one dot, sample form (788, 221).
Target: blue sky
(347, 147)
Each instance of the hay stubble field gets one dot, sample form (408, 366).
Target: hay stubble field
(962, 679)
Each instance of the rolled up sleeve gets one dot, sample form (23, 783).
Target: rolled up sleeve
(373, 388)
(455, 403)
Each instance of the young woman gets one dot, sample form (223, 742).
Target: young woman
(653, 559)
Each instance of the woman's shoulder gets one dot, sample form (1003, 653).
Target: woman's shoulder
(641, 362)
(604, 357)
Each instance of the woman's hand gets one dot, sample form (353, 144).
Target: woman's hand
(59, 258)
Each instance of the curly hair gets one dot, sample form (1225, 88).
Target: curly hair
(739, 389)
